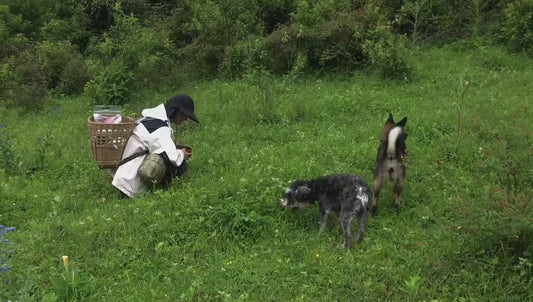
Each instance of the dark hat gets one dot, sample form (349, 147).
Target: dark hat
(183, 103)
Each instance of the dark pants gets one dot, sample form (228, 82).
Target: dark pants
(172, 171)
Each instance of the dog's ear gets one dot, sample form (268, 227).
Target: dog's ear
(301, 193)
(389, 124)
(402, 122)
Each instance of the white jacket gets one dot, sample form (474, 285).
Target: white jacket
(159, 141)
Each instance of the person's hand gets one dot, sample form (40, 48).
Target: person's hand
(187, 151)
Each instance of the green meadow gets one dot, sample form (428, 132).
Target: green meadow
(464, 231)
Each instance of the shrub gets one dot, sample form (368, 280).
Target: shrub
(143, 51)
(340, 42)
(73, 77)
(72, 25)
(113, 86)
(518, 26)
(384, 51)
(335, 44)
(283, 47)
(243, 57)
(10, 25)
(382, 48)
(27, 81)
(54, 57)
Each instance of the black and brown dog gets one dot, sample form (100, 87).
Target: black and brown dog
(389, 164)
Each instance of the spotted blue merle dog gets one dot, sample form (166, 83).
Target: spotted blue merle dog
(346, 194)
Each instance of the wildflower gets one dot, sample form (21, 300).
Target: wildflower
(65, 261)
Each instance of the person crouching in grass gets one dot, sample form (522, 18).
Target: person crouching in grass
(151, 158)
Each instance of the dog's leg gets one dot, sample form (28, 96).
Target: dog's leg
(346, 222)
(378, 185)
(323, 219)
(398, 189)
(362, 225)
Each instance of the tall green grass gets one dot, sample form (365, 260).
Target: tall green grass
(219, 233)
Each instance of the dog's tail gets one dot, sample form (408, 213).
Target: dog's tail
(393, 137)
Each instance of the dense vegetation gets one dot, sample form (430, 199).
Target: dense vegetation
(285, 90)
(105, 48)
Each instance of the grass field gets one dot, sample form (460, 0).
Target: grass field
(464, 232)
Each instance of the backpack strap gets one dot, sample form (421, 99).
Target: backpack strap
(131, 157)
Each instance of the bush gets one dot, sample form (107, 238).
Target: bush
(73, 77)
(340, 42)
(242, 57)
(518, 26)
(143, 51)
(26, 81)
(54, 57)
(384, 51)
(10, 25)
(382, 48)
(113, 86)
(283, 47)
(344, 41)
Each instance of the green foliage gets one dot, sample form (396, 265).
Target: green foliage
(215, 25)
(518, 26)
(70, 24)
(243, 57)
(33, 13)
(414, 13)
(73, 77)
(223, 23)
(26, 81)
(385, 52)
(313, 14)
(283, 47)
(142, 51)
(339, 42)
(114, 86)
(54, 57)
(10, 26)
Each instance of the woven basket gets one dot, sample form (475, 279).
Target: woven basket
(108, 141)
